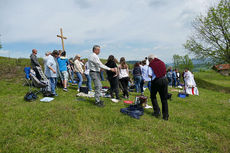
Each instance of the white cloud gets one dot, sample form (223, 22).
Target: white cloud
(4, 52)
(112, 23)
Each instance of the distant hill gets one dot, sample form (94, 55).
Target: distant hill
(199, 64)
(132, 62)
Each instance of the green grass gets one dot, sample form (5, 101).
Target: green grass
(213, 81)
(196, 124)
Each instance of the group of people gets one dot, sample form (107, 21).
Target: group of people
(151, 71)
(173, 76)
(119, 73)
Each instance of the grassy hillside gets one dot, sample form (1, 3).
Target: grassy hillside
(213, 81)
(68, 124)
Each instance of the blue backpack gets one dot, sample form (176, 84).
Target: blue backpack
(30, 96)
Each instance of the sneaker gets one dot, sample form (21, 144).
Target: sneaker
(148, 106)
(78, 90)
(65, 89)
(54, 95)
(115, 100)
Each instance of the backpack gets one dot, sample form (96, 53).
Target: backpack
(84, 90)
(30, 96)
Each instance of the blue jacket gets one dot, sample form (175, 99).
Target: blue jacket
(134, 111)
(174, 74)
(63, 62)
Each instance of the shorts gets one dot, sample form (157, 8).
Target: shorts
(64, 75)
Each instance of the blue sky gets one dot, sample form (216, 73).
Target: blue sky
(130, 28)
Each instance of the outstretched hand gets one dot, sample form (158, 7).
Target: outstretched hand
(113, 69)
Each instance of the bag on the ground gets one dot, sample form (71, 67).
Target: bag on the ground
(141, 100)
(84, 90)
(30, 96)
(182, 95)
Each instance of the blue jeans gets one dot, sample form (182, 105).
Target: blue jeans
(88, 82)
(137, 80)
(53, 82)
(169, 81)
(72, 75)
(148, 85)
(80, 79)
(174, 82)
(178, 81)
(102, 76)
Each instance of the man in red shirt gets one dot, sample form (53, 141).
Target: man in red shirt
(159, 84)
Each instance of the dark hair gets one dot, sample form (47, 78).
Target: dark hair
(136, 64)
(63, 53)
(144, 62)
(123, 63)
(95, 46)
(55, 52)
(110, 58)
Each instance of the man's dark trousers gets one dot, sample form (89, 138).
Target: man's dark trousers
(160, 85)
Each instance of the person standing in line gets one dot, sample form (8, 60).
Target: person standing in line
(34, 63)
(124, 79)
(51, 71)
(159, 84)
(63, 62)
(58, 69)
(79, 70)
(174, 82)
(113, 77)
(45, 58)
(169, 76)
(94, 66)
(177, 77)
(89, 85)
(145, 78)
(71, 70)
(137, 75)
(147, 61)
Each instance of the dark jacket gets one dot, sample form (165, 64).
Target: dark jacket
(34, 61)
(137, 71)
(111, 64)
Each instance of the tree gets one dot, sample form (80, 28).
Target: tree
(182, 62)
(177, 60)
(211, 38)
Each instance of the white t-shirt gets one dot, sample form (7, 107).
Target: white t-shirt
(123, 73)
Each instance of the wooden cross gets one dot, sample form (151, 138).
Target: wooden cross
(62, 39)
